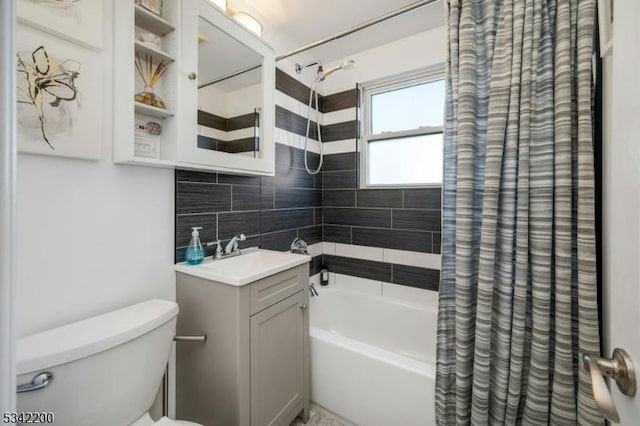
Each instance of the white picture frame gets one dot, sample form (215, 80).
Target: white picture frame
(78, 21)
(60, 94)
(605, 24)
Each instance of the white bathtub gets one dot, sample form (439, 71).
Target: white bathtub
(373, 358)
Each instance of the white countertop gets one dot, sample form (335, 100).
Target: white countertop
(250, 266)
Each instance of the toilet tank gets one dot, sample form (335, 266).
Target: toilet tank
(106, 370)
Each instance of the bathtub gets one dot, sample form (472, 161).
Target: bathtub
(372, 358)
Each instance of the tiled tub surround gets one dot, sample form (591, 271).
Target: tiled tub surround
(378, 235)
(386, 235)
(270, 211)
(234, 134)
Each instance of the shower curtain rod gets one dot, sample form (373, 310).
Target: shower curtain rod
(228, 76)
(362, 26)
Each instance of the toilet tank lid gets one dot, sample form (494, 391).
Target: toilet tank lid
(88, 337)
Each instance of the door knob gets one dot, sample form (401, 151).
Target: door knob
(192, 76)
(620, 368)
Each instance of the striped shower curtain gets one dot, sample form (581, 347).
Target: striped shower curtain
(518, 296)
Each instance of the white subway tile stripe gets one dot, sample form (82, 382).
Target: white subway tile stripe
(294, 140)
(210, 132)
(340, 116)
(291, 104)
(339, 147)
(359, 252)
(329, 248)
(412, 258)
(398, 257)
(316, 249)
(247, 132)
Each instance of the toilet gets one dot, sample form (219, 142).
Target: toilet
(106, 370)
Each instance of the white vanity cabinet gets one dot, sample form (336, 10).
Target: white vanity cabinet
(218, 90)
(253, 368)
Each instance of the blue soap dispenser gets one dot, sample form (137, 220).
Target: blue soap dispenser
(194, 254)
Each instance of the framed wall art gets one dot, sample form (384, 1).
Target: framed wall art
(79, 21)
(60, 96)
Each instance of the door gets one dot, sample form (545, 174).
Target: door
(621, 197)
(7, 205)
(277, 354)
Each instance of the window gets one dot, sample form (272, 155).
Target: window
(402, 130)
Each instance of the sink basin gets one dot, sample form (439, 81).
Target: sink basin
(250, 266)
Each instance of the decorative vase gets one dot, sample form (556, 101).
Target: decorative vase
(148, 97)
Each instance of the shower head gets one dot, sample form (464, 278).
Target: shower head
(346, 65)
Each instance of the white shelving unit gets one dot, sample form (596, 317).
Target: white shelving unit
(158, 55)
(152, 22)
(136, 139)
(132, 143)
(151, 111)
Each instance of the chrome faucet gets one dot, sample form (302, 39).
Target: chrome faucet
(312, 290)
(299, 246)
(232, 246)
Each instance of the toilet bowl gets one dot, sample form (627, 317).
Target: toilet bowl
(105, 370)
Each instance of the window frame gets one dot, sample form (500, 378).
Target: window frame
(398, 81)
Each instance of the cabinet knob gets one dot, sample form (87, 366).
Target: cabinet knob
(303, 307)
(192, 76)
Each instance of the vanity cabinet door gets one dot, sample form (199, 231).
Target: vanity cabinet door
(277, 354)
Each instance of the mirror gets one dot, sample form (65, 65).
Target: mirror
(228, 114)
(229, 93)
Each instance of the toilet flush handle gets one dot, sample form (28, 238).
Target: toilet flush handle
(40, 381)
(201, 338)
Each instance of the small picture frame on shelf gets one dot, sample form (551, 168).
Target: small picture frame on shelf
(154, 6)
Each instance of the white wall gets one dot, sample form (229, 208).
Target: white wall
(92, 236)
(230, 103)
(410, 53)
(421, 50)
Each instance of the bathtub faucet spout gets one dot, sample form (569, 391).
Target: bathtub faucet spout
(312, 290)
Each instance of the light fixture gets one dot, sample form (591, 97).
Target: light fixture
(222, 4)
(248, 21)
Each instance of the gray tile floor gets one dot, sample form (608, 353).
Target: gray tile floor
(318, 419)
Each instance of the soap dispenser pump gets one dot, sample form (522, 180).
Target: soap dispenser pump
(195, 253)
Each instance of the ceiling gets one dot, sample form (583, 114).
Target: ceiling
(306, 21)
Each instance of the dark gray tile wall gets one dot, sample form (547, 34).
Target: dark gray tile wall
(269, 210)
(402, 219)
(424, 278)
(272, 211)
(339, 101)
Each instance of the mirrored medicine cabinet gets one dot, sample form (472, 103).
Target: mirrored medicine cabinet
(218, 91)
